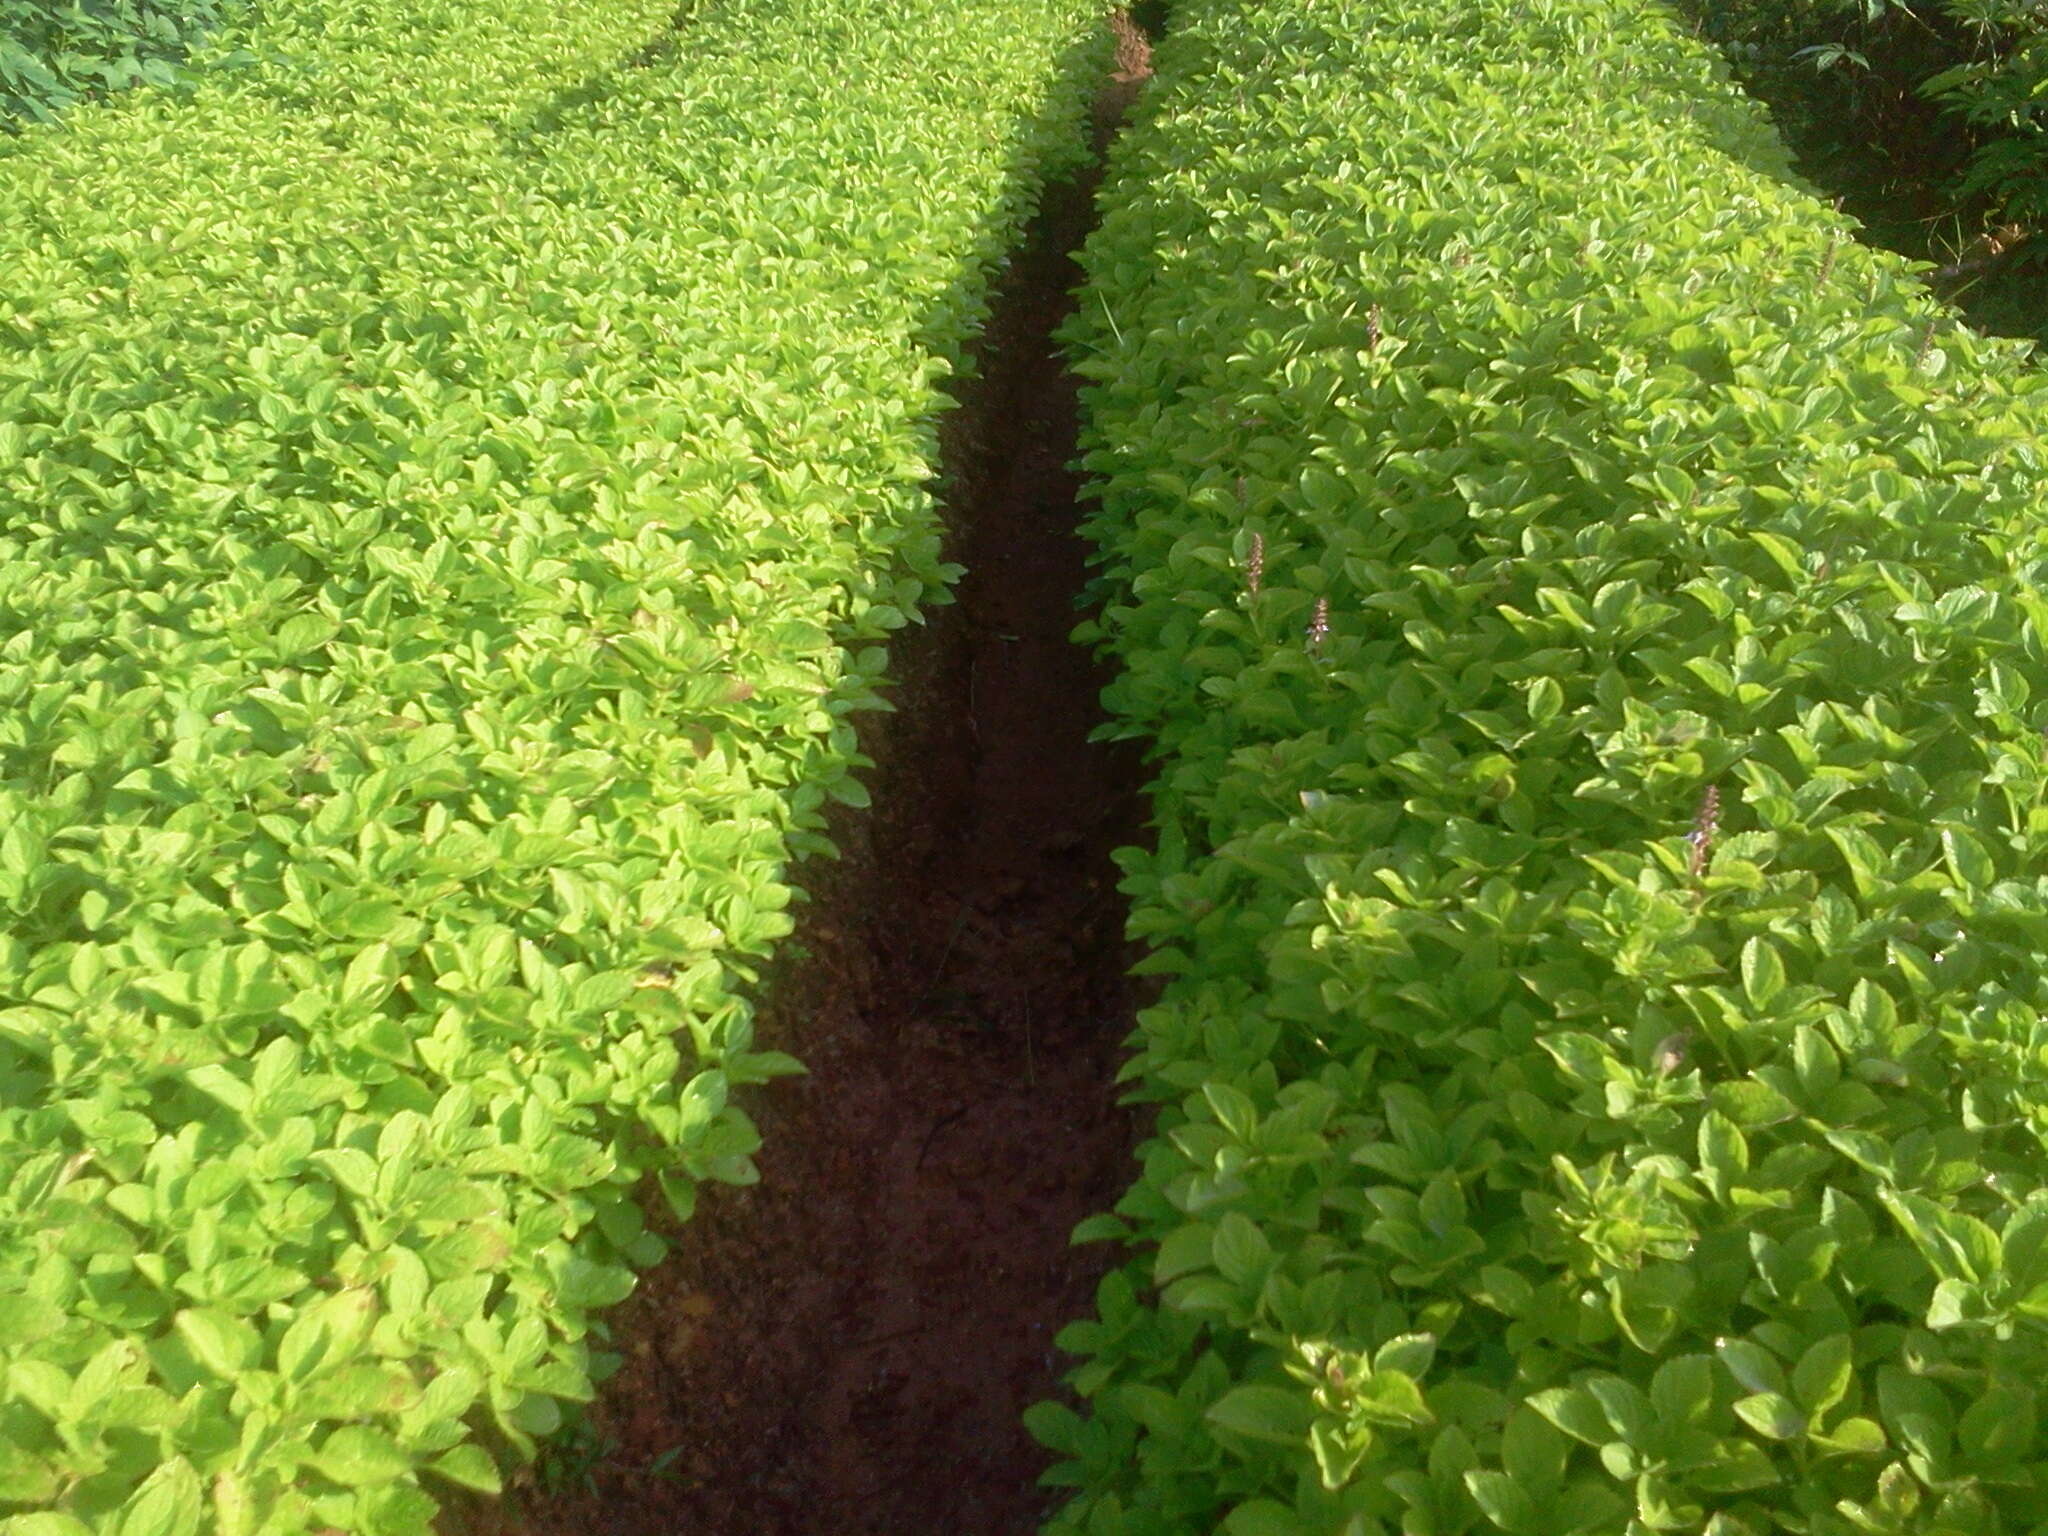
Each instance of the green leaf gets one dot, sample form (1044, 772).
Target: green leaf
(1724, 1153)
(1957, 1245)
(221, 1342)
(1273, 1414)
(26, 1319)
(371, 975)
(1682, 1390)
(305, 1347)
(1532, 1450)
(470, 1467)
(1967, 861)
(1338, 1450)
(1782, 551)
(1055, 1426)
(351, 1168)
(361, 1390)
(1815, 1062)
(1851, 1437)
(1575, 1411)
(218, 1082)
(1321, 490)
(1626, 1408)
(1753, 1367)
(1751, 1104)
(25, 1478)
(1821, 1378)
(1763, 973)
(1770, 1414)
(168, 1503)
(1997, 1433)
(1234, 1111)
(1390, 1397)
(1714, 672)
(1916, 1414)
(358, 1456)
(1502, 1500)
(44, 1523)
(1100, 1228)
(1871, 1153)
(1411, 1354)
(848, 790)
(303, 632)
(1242, 1253)
(1864, 856)
(1183, 1251)
(1738, 1466)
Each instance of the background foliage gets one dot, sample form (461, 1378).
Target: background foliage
(56, 52)
(1931, 120)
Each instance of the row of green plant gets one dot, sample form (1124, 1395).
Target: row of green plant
(455, 476)
(53, 54)
(1591, 619)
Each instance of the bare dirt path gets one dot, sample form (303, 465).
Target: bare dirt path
(846, 1348)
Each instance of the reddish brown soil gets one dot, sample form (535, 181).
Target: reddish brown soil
(847, 1347)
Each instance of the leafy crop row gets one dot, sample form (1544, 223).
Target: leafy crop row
(1593, 621)
(452, 475)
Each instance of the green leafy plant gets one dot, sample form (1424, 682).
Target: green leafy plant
(455, 476)
(1995, 91)
(1597, 1075)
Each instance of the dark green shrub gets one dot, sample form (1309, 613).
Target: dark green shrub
(2000, 92)
(53, 54)
(1151, 15)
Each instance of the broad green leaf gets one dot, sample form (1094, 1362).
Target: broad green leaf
(1272, 1414)
(1770, 1414)
(1821, 1378)
(1851, 1437)
(1967, 859)
(1576, 1412)
(1763, 973)
(1682, 1390)
(167, 1503)
(1241, 1250)
(1502, 1500)
(1234, 1111)
(358, 1456)
(469, 1466)
(224, 1344)
(1054, 1426)
(1754, 1368)
(1187, 1248)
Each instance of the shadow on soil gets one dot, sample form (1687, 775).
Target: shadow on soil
(846, 1348)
